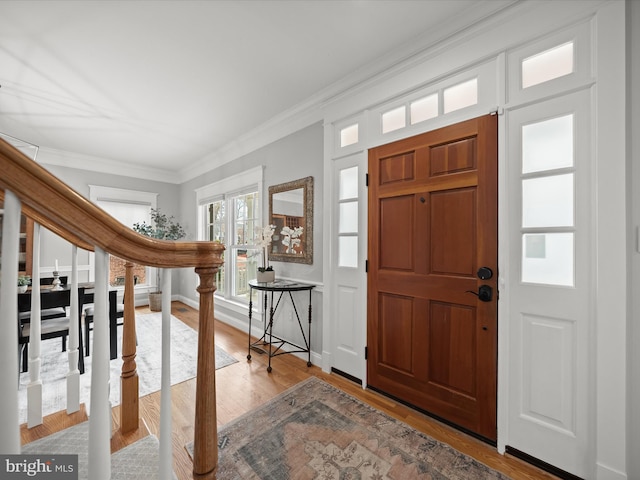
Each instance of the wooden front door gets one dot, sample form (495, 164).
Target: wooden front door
(432, 279)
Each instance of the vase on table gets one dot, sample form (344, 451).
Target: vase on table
(267, 276)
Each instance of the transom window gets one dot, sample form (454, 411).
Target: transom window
(349, 135)
(542, 67)
(447, 99)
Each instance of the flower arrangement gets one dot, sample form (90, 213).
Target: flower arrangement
(291, 238)
(263, 240)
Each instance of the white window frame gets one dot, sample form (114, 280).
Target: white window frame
(99, 193)
(226, 189)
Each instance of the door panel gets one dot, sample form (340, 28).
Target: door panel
(395, 214)
(453, 232)
(432, 225)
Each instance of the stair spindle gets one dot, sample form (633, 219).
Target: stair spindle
(10, 438)
(129, 381)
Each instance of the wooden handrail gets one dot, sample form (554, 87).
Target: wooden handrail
(64, 211)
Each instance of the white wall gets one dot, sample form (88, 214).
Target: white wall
(633, 165)
(296, 156)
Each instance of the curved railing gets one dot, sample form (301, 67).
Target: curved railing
(54, 205)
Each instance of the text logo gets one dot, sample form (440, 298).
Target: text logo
(49, 467)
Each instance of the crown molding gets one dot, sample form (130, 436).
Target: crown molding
(79, 161)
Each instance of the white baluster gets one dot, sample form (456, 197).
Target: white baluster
(73, 376)
(166, 454)
(10, 438)
(100, 416)
(34, 388)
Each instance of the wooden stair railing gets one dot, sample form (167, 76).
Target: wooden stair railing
(60, 209)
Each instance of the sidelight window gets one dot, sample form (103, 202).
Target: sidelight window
(548, 206)
(348, 218)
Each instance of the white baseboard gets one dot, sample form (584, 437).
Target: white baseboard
(603, 472)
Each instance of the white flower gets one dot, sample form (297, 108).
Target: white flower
(291, 238)
(263, 240)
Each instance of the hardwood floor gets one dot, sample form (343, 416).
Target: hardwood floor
(246, 385)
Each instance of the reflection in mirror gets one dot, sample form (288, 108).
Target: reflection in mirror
(291, 211)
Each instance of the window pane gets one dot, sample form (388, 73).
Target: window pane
(232, 221)
(548, 201)
(547, 145)
(348, 222)
(217, 221)
(348, 252)
(245, 210)
(548, 258)
(461, 95)
(542, 67)
(220, 280)
(348, 183)
(424, 109)
(394, 119)
(349, 135)
(245, 268)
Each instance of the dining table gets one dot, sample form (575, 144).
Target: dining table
(52, 299)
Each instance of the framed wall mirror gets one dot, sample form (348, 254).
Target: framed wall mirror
(291, 211)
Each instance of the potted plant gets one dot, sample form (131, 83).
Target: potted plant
(23, 283)
(161, 227)
(263, 240)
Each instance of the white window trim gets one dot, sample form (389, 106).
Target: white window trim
(222, 189)
(111, 194)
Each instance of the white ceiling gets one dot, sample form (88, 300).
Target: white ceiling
(161, 84)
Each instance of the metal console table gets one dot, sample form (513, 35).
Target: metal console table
(274, 343)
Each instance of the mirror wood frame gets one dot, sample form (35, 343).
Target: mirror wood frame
(307, 207)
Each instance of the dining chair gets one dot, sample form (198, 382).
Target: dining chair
(24, 315)
(50, 327)
(116, 312)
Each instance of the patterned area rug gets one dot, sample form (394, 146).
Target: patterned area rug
(314, 430)
(184, 354)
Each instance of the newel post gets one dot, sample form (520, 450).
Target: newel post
(205, 444)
